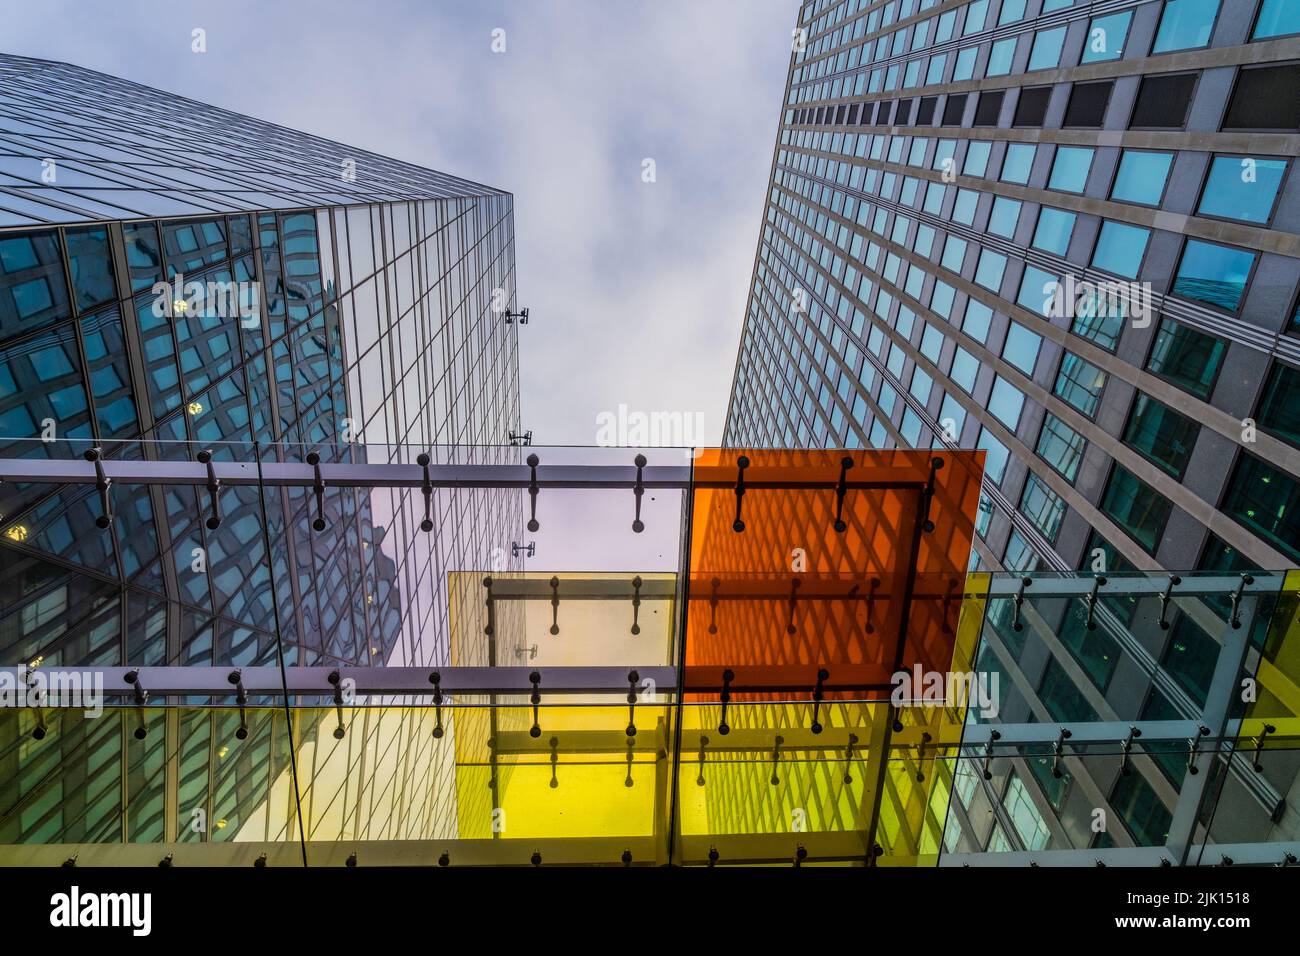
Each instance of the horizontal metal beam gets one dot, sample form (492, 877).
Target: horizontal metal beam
(383, 475)
(187, 681)
(1133, 585)
(571, 588)
(1095, 732)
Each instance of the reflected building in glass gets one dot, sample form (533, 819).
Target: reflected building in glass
(1069, 236)
(176, 278)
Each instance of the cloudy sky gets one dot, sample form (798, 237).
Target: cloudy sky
(636, 289)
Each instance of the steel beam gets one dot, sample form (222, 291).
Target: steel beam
(385, 475)
(187, 681)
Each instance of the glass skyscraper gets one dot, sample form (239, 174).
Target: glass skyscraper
(1066, 233)
(176, 278)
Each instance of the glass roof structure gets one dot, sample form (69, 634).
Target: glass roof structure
(712, 657)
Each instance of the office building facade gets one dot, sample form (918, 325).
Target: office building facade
(1069, 234)
(177, 279)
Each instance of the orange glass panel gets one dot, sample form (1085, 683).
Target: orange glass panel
(859, 571)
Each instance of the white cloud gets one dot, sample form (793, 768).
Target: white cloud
(637, 290)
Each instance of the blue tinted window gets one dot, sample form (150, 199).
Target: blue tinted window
(143, 259)
(1120, 248)
(1054, 229)
(1021, 348)
(1242, 187)
(1070, 169)
(1061, 446)
(921, 385)
(31, 278)
(964, 369)
(1000, 57)
(977, 321)
(1277, 18)
(931, 343)
(1047, 49)
(1018, 162)
(1011, 11)
(952, 417)
(989, 271)
(977, 159)
(1106, 36)
(975, 14)
(1003, 216)
(964, 68)
(90, 266)
(1037, 290)
(1141, 177)
(1185, 24)
(1099, 317)
(1213, 274)
(954, 253)
(1006, 402)
(1080, 383)
(110, 378)
(995, 465)
(963, 210)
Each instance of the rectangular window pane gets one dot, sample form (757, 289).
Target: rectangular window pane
(1242, 187)
(1267, 501)
(1266, 97)
(1087, 105)
(1277, 18)
(1141, 177)
(1038, 290)
(1080, 383)
(1003, 216)
(1061, 447)
(1162, 101)
(1046, 53)
(1106, 36)
(1070, 169)
(996, 463)
(1185, 24)
(1186, 357)
(1136, 507)
(1215, 275)
(1006, 402)
(1098, 318)
(1279, 407)
(1021, 348)
(1055, 227)
(1000, 57)
(1043, 506)
(1018, 163)
(1120, 248)
(1161, 434)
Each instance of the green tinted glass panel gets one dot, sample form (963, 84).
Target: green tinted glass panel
(1161, 434)
(1136, 507)
(1188, 358)
(1279, 407)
